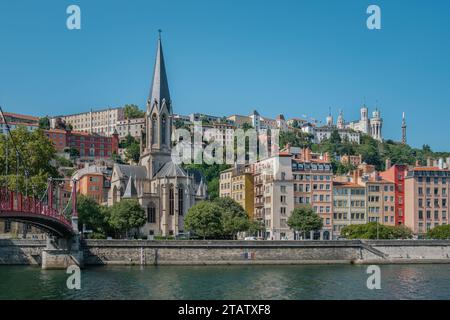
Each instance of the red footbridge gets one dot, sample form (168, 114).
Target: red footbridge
(15, 206)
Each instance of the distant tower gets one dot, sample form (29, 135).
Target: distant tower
(340, 120)
(329, 119)
(376, 124)
(364, 121)
(403, 129)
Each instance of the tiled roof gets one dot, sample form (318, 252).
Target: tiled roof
(23, 116)
(347, 184)
(429, 169)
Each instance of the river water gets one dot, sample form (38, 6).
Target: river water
(228, 282)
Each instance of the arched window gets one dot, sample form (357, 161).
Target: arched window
(151, 213)
(154, 128)
(180, 200)
(171, 201)
(163, 129)
(114, 194)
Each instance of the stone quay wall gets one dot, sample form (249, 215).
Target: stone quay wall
(26, 252)
(198, 252)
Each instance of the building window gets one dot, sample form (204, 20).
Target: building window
(7, 227)
(151, 214)
(171, 201)
(180, 201)
(163, 129)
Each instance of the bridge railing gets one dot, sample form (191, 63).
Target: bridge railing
(15, 202)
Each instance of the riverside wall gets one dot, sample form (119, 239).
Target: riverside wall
(197, 252)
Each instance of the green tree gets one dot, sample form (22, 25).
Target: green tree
(116, 158)
(133, 152)
(36, 155)
(439, 232)
(127, 141)
(74, 153)
(63, 162)
(132, 111)
(374, 230)
(295, 139)
(126, 215)
(304, 220)
(204, 219)
(335, 138)
(91, 215)
(255, 227)
(234, 217)
(44, 123)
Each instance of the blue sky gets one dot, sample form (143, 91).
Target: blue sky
(228, 56)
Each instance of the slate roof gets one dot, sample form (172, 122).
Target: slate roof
(160, 86)
(170, 169)
(126, 171)
(130, 191)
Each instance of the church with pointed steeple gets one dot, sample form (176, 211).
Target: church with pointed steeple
(164, 189)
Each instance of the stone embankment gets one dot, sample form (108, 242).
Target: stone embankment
(143, 252)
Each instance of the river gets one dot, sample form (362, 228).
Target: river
(228, 282)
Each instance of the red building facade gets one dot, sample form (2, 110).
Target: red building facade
(90, 146)
(397, 174)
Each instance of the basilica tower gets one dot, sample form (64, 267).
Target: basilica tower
(157, 147)
(376, 124)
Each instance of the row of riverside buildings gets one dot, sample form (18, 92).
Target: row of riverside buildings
(270, 189)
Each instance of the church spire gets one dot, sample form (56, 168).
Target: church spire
(160, 87)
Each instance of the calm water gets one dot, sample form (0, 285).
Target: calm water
(228, 282)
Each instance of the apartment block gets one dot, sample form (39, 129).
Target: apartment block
(94, 181)
(89, 146)
(242, 191)
(397, 174)
(16, 120)
(238, 185)
(380, 200)
(294, 178)
(426, 198)
(274, 195)
(349, 205)
(102, 122)
(225, 183)
(313, 185)
(133, 127)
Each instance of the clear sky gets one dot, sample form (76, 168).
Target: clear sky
(232, 56)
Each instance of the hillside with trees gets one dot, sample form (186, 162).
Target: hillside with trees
(372, 151)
